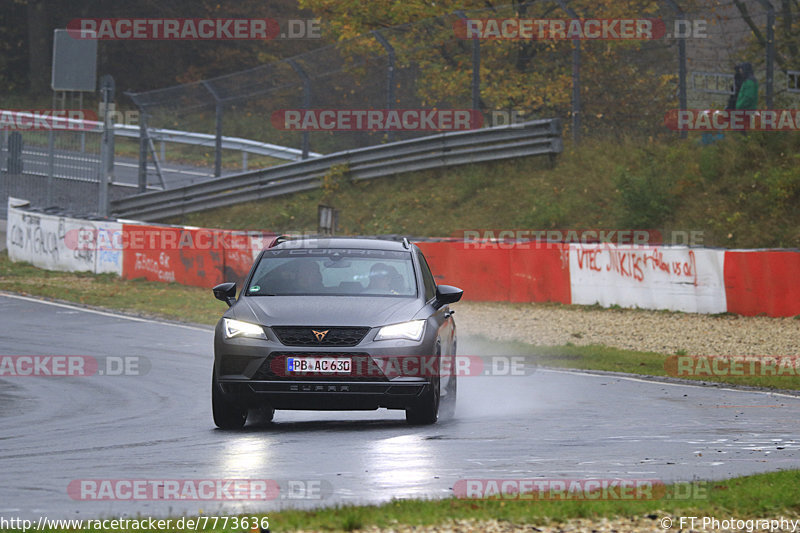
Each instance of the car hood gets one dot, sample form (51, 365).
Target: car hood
(325, 310)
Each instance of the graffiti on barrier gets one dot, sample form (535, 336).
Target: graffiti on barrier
(636, 264)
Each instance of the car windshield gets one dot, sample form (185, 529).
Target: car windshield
(335, 272)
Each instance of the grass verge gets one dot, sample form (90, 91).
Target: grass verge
(756, 497)
(743, 191)
(752, 496)
(163, 300)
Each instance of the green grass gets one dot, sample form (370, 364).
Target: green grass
(741, 192)
(609, 359)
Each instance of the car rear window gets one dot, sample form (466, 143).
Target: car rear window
(334, 271)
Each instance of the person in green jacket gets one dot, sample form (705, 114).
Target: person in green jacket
(748, 93)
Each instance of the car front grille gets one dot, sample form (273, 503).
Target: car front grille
(364, 368)
(319, 336)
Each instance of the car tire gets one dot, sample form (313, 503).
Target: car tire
(261, 415)
(447, 409)
(426, 410)
(227, 415)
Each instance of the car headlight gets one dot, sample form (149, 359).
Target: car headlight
(405, 330)
(237, 328)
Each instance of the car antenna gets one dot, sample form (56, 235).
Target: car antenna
(406, 244)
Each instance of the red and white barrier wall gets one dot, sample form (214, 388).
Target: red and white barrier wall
(679, 278)
(187, 255)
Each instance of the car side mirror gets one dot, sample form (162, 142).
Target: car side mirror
(446, 294)
(225, 292)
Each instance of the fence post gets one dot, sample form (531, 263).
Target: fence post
(51, 166)
(476, 67)
(770, 50)
(389, 75)
(106, 146)
(576, 77)
(306, 98)
(217, 129)
(142, 150)
(681, 64)
(142, 181)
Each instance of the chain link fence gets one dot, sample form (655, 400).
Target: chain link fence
(54, 168)
(599, 88)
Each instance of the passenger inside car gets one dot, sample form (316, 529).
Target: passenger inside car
(384, 279)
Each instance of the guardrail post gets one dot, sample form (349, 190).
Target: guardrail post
(389, 75)
(217, 129)
(681, 64)
(306, 98)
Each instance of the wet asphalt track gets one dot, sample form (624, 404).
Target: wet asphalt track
(158, 426)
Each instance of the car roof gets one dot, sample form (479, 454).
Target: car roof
(361, 243)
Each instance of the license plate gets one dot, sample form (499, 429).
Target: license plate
(330, 365)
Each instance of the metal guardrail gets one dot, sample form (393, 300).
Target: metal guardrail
(539, 137)
(206, 139)
(182, 137)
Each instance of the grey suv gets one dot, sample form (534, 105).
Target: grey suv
(335, 324)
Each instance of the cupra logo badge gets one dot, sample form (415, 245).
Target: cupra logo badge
(320, 334)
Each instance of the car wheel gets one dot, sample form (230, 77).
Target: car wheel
(426, 411)
(227, 415)
(448, 405)
(261, 415)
